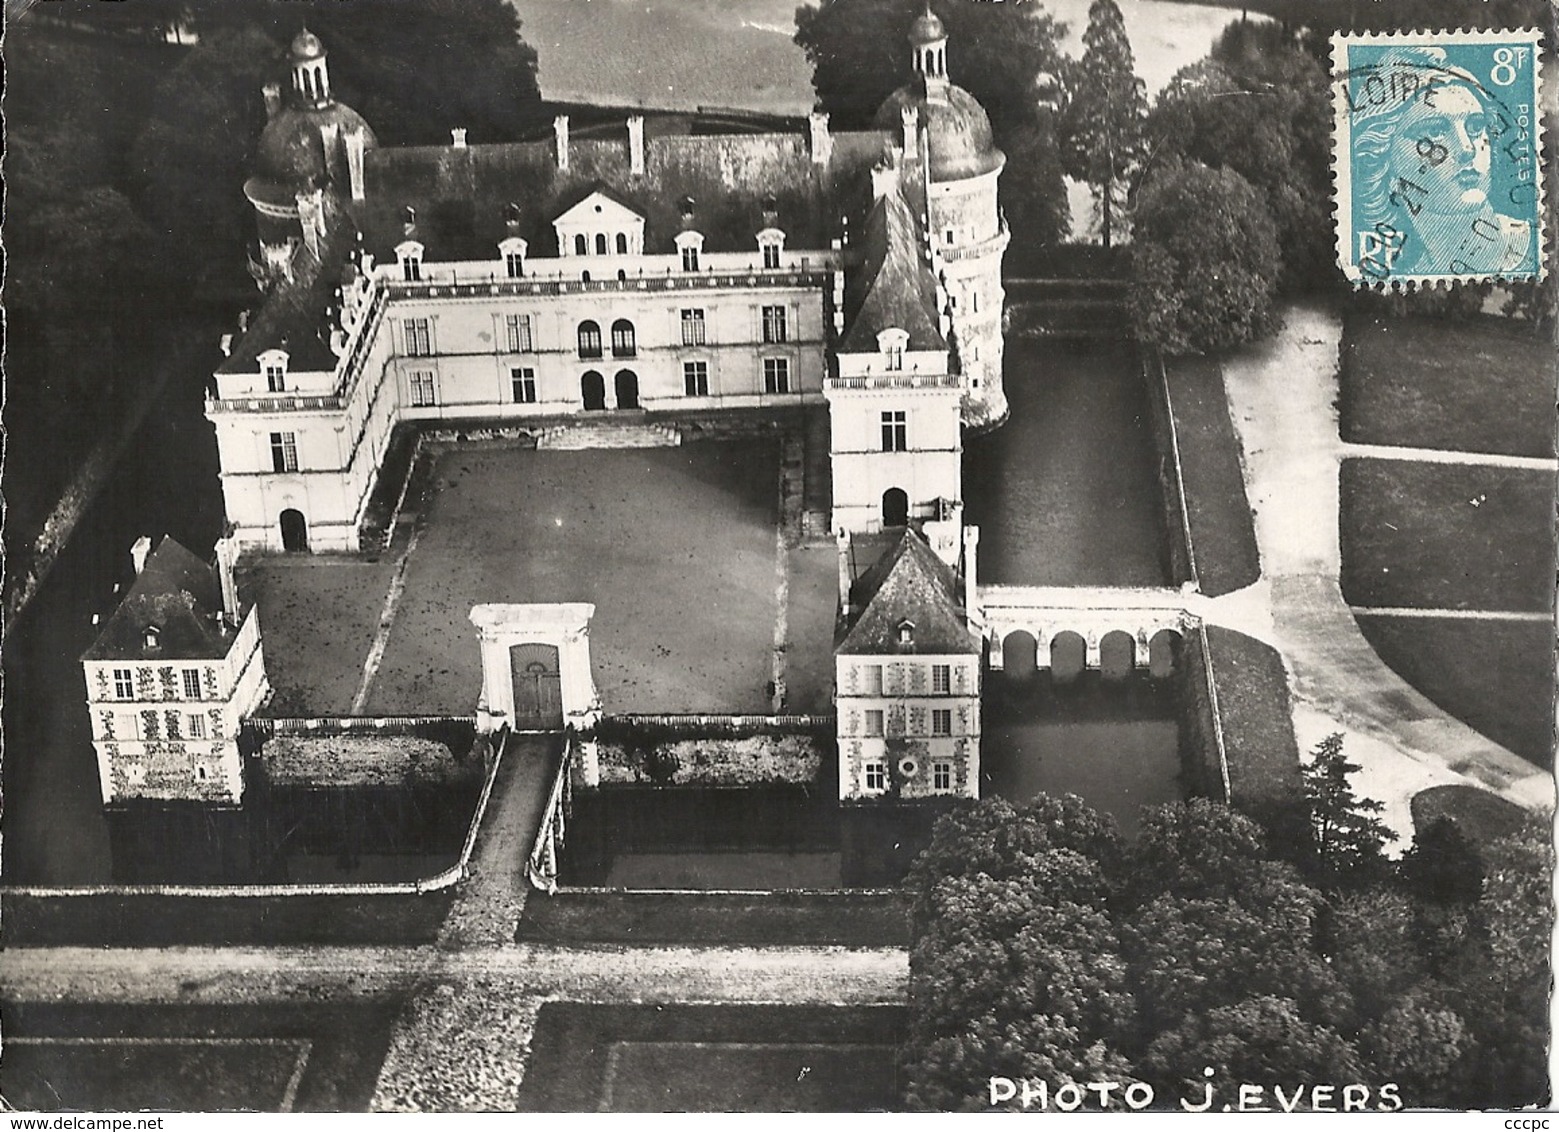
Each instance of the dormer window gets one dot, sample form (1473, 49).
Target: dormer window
(153, 637)
(409, 256)
(273, 364)
(771, 243)
(512, 252)
(906, 632)
(893, 342)
(690, 245)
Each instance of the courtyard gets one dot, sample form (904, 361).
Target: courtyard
(701, 606)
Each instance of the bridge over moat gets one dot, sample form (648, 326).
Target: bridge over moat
(1151, 619)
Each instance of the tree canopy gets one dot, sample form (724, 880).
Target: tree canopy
(1102, 126)
(1045, 950)
(1204, 262)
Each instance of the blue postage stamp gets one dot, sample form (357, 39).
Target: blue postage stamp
(1438, 156)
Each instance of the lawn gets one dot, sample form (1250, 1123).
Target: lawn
(1482, 816)
(191, 1058)
(1446, 536)
(318, 615)
(1476, 386)
(1223, 533)
(674, 546)
(1495, 676)
(681, 1058)
(1258, 730)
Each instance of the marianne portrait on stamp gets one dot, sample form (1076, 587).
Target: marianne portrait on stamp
(1425, 170)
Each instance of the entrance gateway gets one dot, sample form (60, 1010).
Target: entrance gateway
(536, 667)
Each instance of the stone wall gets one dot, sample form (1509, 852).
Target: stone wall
(1170, 485)
(750, 760)
(365, 760)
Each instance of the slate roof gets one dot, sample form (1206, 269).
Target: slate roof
(292, 317)
(893, 285)
(462, 196)
(908, 583)
(178, 594)
(958, 132)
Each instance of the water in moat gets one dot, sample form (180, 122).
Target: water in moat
(1065, 493)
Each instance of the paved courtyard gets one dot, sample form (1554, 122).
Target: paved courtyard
(678, 548)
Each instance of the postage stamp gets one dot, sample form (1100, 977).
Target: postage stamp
(1438, 156)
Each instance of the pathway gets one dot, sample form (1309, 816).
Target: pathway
(1282, 396)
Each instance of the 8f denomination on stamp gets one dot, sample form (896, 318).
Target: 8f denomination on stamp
(1437, 151)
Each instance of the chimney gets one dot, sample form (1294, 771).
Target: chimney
(560, 136)
(354, 162)
(911, 118)
(845, 580)
(227, 559)
(636, 144)
(885, 179)
(822, 142)
(457, 137)
(272, 92)
(329, 138)
(139, 549)
(971, 555)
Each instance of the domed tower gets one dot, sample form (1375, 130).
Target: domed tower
(311, 141)
(965, 223)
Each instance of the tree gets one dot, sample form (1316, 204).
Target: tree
(1192, 849)
(413, 68)
(1417, 1044)
(1204, 261)
(1441, 865)
(1349, 840)
(1009, 980)
(859, 53)
(1033, 190)
(1102, 125)
(1261, 1039)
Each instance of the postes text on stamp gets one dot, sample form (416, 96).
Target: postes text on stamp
(1437, 156)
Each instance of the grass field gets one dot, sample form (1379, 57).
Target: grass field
(1482, 816)
(1446, 536)
(680, 1058)
(1258, 730)
(1223, 533)
(187, 1058)
(1495, 676)
(1474, 386)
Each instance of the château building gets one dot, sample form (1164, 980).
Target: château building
(176, 668)
(651, 272)
(642, 275)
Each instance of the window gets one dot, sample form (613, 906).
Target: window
(941, 775)
(974, 301)
(874, 679)
(690, 258)
(623, 343)
(774, 324)
(518, 328)
(896, 357)
(275, 377)
(876, 773)
(622, 243)
(695, 378)
(514, 264)
(941, 721)
(600, 243)
(581, 245)
(124, 684)
(947, 236)
(895, 431)
(776, 375)
(284, 451)
(522, 382)
(589, 339)
(906, 632)
(195, 726)
(941, 679)
(874, 723)
(411, 269)
(422, 388)
(693, 327)
(192, 683)
(771, 255)
(419, 337)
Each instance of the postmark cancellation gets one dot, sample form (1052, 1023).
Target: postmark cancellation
(1437, 157)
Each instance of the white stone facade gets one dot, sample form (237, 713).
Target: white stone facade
(908, 727)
